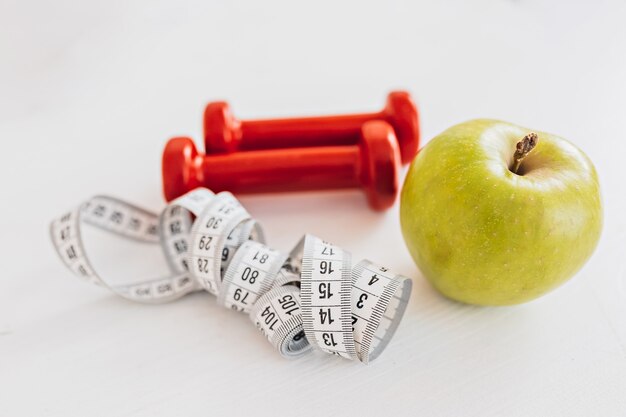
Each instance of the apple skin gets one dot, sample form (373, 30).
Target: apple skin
(484, 235)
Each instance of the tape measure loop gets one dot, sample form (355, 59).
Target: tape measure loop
(309, 298)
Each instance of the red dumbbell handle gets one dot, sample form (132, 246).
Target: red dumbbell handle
(309, 131)
(282, 169)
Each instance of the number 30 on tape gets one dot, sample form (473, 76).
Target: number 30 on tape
(309, 298)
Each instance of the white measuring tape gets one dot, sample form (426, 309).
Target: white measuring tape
(312, 297)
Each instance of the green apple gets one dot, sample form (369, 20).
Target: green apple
(484, 234)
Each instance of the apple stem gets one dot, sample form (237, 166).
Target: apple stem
(522, 149)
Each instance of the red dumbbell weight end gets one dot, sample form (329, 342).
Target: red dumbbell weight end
(373, 164)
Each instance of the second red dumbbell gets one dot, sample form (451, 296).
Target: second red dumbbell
(373, 164)
(224, 133)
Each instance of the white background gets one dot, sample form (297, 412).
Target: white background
(89, 93)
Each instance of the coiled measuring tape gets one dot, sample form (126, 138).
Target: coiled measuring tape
(311, 297)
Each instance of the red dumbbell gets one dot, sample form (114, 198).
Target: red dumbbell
(223, 133)
(373, 164)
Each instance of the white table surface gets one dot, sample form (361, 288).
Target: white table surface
(89, 93)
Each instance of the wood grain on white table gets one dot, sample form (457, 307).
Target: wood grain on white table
(89, 93)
